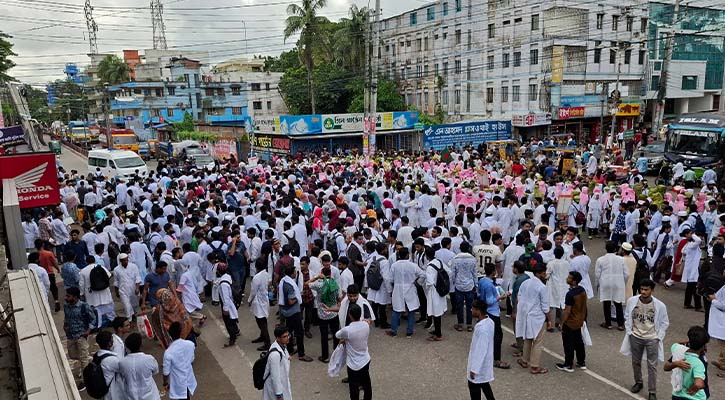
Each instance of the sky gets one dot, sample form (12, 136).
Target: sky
(47, 34)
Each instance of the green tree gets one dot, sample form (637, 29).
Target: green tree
(71, 102)
(6, 51)
(38, 104)
(187, 125)
(349, 39)
(305, 21)
(332, 88)
(113, 70)
(285, 61)
(389, 97)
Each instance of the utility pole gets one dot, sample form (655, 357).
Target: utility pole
(721, 107)
(662, 90)
(92, 27)
(615, 99)
(366, 90)
(374, 78)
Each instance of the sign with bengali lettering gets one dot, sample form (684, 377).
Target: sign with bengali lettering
(440, 137)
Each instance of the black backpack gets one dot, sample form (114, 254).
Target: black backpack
(259, 367)
(99, 279)
(699, 225)
(294, 245)
(443, 281)
(374, 275)
(237, 295)
(219, 254)
(642, 270)
(113, 251)
(331, 246)
(95, 382)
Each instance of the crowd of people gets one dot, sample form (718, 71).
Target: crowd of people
(349, 244)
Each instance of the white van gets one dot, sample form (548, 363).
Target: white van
(116, 163)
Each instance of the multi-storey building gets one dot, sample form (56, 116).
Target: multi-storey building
(549, 67)
(186, 90)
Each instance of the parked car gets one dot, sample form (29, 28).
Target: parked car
(655, 153)
(203, 161)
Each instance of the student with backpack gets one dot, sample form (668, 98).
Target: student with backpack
(95, 285)
(101, 376)
(327, 294)
(80, 320)
(230, 315)
(274, 377)
(437, 287)
(137, 371)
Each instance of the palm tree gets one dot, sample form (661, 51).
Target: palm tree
(349, 41)
(113, 70)
(305, 21)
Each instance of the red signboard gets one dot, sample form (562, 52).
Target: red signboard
(571, 112)
(35, 176)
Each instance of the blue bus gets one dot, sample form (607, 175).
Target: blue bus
(696, 140)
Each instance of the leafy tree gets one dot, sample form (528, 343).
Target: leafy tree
(349, 39)
(332, 89)
(389, 97)
(6, 51)
(305, 21)
(113, 70)
(71, 102)
(287, 60)
(187, 125)
(38, 104)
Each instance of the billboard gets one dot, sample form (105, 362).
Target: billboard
(11, 135)
(439, 137)
(338, 123)
(35, 176)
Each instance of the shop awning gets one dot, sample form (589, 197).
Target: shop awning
(333, 136)
(158, 126)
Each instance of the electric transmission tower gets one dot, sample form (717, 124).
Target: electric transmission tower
(157, 20)
(92, 27)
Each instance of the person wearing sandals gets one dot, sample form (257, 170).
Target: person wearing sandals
(572, 321)
(436, 304)
(612, 274)
(480, 354)
(488, 292)
(645, 323)
(463, 280)
(533, 318)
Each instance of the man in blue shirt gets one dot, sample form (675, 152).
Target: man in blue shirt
(549, 171)
(157, 279)
(488, 292)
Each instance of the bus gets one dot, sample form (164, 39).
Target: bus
(122, 139)
(696, 140)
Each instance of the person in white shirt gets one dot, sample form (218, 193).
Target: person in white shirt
(30, 231)
(179, 378)
(40, 274)
(137, 371)
(100, 299)
(229, 310)
(355, 337)
(109, 362)
(259, 305)
(436, 304)
(404, 274)
(127, 281)
(121, 327)
(188, 288)
(612, 274)
(277, 385)
(480, 354)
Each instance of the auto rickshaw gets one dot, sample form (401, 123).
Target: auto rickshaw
(54, 146)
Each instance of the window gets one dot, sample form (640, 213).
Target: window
(147, 92)
(515, 93)
(600, 21)
(413, 18)
(431, 13)
(186, 78)
(490, 63)
(266, 86)
(504, 94)
(256, 87)
(425, 70)
(257, 105)
(505, 61)
(209, 92)
(468, 40)
(468, 69)
(269, 105)
(627, 56)
(445, 97)
(445, 9)
(491, 31)
(535, 22)
(392, 47)
(171, 90)
(220, 92)
(457, 95)
(615, 22)
(445, 69)
(489, 95)
(689, 82)
(655, 82)
(236, 110)
(236, 91)
(630, 23)
(418, 44)
(518, 20)
(457, 67)
(169, 112)
(436, 69)
(507, 22)
(643, 25)
(534, 56)
(517, 58)
(155, 112)
(658, 66)
(597, 52)
(458, 6)
(159, 92)
(425, 43)
(196, 80)
(612, 56)
(407, 43)
(533, 91)
(642, 55)
(458, 36)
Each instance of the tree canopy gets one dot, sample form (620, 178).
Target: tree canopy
(6, 51)
(113, 70)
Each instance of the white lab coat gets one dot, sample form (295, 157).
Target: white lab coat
(382, 295)
(582, 264)
(533, 304)
(178, 365)
(137, 371)
(436, 305)
(510, 255)
(692, 253)
(594, 213)
(612, 273)
(480, 354)
(716, 323)
(126, 279)
(94, 298)
(30, 233)
(661, 324)
(189, 292)
(404, 275)
(43, 279)
(225, 296)
(259, 297)
(110, 368)
(277, 371)
(557, 271)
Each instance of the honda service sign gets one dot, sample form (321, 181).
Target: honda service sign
(35, 176)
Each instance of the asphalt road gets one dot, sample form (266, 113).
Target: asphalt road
(414, 368)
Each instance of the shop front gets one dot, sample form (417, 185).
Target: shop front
(530, 125)
(581, 116)
(266, 146)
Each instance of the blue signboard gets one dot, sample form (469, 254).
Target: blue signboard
(439, 137)
(300, 124)
(580, 101)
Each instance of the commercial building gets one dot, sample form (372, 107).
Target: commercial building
(547, 67)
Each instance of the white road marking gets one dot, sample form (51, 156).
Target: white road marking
(239, 377)
(587, 371)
